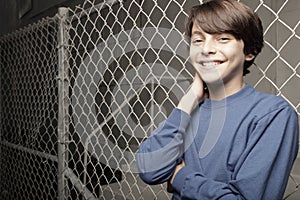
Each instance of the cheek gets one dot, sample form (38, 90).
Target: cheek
(194, 52)
(235, 53)
(238, 49)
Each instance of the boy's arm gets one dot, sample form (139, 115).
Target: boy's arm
(158, 155)
(263, 169)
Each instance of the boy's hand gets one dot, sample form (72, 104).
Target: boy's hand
(194, 96)
(199, 89)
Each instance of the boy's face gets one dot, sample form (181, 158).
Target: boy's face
(218, 57)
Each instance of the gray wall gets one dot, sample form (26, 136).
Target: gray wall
(15, 14)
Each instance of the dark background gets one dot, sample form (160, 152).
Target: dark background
(15, 14)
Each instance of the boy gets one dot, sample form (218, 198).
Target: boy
(225, 140)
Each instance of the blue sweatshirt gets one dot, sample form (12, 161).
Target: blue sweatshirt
(242, 147)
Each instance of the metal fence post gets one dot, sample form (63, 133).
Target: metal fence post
(63, 102)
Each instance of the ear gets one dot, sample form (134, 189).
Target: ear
(249, 57)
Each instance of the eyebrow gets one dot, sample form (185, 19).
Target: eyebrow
(197, 32)
(200, 33)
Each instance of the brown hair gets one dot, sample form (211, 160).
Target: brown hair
(229, 16)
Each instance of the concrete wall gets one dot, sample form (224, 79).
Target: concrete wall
(15, 14)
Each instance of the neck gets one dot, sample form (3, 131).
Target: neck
(219, 91)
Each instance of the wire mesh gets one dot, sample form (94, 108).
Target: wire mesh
(76, 104)
(29, 112)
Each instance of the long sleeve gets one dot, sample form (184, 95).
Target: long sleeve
(261, 171)
(159, 154)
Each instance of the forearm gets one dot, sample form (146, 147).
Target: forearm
(160, 153)
(194, 185)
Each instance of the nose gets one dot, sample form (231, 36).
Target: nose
(208, 47)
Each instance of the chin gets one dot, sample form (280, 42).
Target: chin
(212, 80)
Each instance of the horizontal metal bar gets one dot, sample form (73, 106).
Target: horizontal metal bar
(31, 151)
(78, 184)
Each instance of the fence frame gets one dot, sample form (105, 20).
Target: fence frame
(63, 85)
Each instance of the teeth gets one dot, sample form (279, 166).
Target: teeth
(208, 64)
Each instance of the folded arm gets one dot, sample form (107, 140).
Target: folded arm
(262, 170)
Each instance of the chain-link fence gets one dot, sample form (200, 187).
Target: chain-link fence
(81, 90)
(28, 137)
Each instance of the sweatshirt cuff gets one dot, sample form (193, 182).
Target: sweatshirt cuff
(179, 180)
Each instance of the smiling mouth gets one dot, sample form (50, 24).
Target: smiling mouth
(210, 64)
